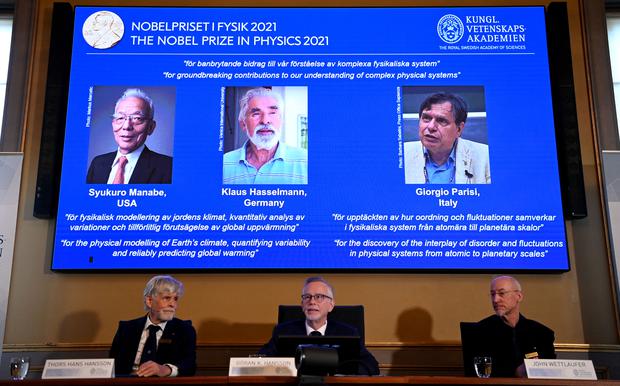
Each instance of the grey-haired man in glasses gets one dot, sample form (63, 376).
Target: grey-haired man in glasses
(133, 162)
(508, 337)
(317, 301)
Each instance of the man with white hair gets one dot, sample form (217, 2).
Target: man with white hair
(132, 162)
(157, 344)
(508, 337)
(264, 158)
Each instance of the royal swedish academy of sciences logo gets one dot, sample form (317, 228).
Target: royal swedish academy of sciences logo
(450, 28)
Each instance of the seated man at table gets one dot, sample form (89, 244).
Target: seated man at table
(317, 301)
(157, 344)
(508, 337)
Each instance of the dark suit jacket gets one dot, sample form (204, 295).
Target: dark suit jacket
(369, 364)
(177, 345)
(508, 346)
(151, 168)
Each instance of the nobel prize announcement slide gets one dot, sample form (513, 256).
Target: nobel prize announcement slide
(283, 139)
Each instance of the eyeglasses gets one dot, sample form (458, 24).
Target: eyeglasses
(135, 119)
(501, 293)
(319, 298)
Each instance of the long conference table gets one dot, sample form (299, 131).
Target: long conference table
(258, 381)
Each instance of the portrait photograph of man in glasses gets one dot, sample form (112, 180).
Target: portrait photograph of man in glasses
(317, 301)
(133, 162)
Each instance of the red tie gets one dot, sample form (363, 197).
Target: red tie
(119, 178)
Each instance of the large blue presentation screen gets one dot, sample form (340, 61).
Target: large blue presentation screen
(310, 138)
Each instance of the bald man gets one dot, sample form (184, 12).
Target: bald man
(508, 337)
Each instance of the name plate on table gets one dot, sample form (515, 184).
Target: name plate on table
(78, 368)
(284, 367)
(560, 369)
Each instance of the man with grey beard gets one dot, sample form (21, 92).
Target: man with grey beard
(157, 344)
(263, 158)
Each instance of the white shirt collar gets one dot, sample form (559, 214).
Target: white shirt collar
(132, 158)
(162, 325)
(321, 329)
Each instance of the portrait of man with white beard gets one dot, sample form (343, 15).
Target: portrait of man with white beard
(264, 158)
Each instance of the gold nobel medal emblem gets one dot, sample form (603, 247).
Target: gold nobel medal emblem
(103, 29)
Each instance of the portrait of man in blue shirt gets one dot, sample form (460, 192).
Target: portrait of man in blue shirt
(264, 158)
(441, 156)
